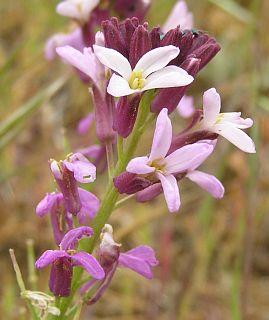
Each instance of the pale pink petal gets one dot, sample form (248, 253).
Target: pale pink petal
(235, 118)
(179, 16)
(211, 106)
(185, 107)
(207, 182)
(156, 59)
(76, 9)
(236, 136)
(170, 190)
(188, 157)
(140, 166)
(168, 77)
(85, 123)
(162, 136)
(119, 87)
(113, 60)
(82, 61)
(71, 238)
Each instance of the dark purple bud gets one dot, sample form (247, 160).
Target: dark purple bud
(155, 36)
(172, 37)
(149, 193)
(104, 108)
(113, 37)
(180, 140)
(125, 114)
(205, 48)
(130, 8)
(130, 183)
(170, 98)
(60, 277)
(140, 44)
(67, 185)
(89, 29)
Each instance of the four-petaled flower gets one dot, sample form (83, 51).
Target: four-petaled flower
(164, 167)
(150, 72)
(62, 262)
(227, 124)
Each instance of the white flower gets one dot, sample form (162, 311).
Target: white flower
(150, 72)
(77, 9)
(227, 124)
(179, 16)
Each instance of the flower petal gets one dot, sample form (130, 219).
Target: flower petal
(211, 106)
(49, 257)
(85, 123)
(72, 237)
(236, 136)
(156, 59)
(235, 118)
(207, 182)
(140, 259)
(171, 191)
(168, 77)
(185, 107)
(113, 60)
(162, 136)
(48, 202)
(89, 206)
(77, 9)
(188, 157)
(139, 165)
(84, 171)
(89, 263)
(144, 252)
(119, 87)
(179, 16)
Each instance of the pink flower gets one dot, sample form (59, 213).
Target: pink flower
(164, 167)
(227, 124)
(73, 39)
(179, 16)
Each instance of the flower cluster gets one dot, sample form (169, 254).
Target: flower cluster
(135, 76)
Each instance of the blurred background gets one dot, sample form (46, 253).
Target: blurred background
(214, 255)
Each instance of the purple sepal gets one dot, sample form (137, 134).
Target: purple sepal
(149, 193)
(68, 186)
(60, 277)
(125, 115)
(104, 109)
(113, 36)
(130, 183)
(72, 237)
(49, 256)
(89, 206)
(130, 8)
(140, 259)
(155, 36)
(140, 44)
(170, 98)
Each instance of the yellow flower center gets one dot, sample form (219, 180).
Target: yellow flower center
(158, 165)
(220, 116)
(136, 80)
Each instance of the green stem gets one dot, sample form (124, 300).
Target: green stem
(21, 283)
(111, 194)
(32, 277)
(110, 158)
